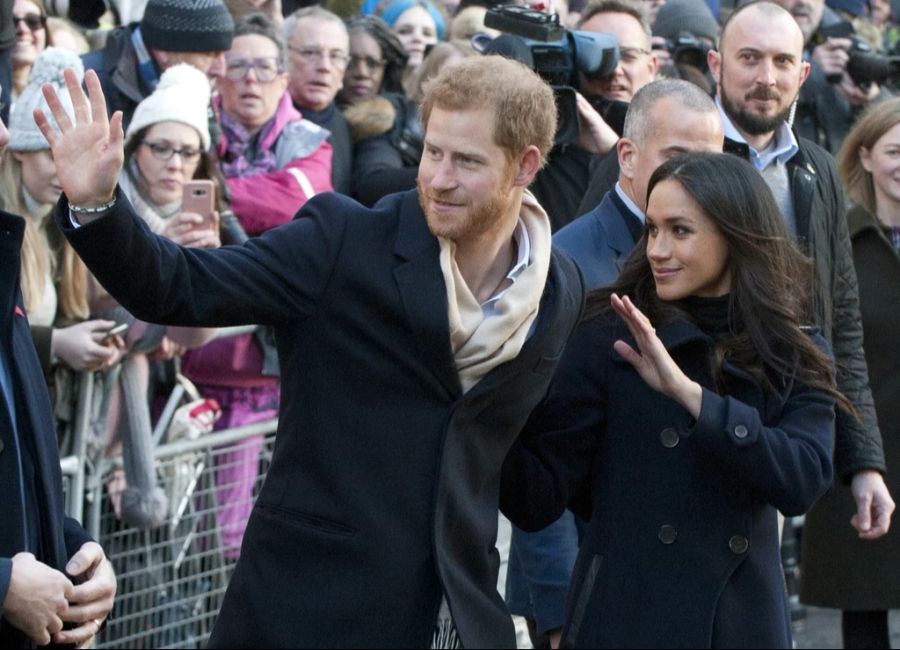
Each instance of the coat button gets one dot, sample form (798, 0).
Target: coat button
(667, 534)
(669, 438)
(738, 544)
(740, 431)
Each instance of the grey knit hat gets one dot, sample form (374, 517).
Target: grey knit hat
(187, 25)
(24, 134)
(692, 16)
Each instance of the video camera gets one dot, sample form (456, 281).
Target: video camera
(536, 39)
(865, 66)
(688, 49)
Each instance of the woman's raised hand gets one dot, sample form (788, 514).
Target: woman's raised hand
(89, 151)
(652, 361)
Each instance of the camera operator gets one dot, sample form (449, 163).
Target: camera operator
(830, 99)
(560, 186)
(684, 31)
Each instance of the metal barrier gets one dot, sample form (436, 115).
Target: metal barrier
(171, 579)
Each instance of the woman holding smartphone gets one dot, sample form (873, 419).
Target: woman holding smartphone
(689, 408)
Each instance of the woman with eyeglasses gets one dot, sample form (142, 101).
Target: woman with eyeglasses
(32, 37)
(273, 162)
(385, 124)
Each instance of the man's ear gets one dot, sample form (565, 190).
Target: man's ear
(529, 165)
(628, 153)
(714, 60)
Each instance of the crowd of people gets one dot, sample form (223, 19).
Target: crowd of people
(645, 313)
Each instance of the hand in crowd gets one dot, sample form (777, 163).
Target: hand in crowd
(81, 346)
(88, 153)
(653, 362)
(594, 134)
(168, 349)
(92, 600)
(37, 598)
(832, 55)
(189, 229)
(874, 505)
(855, 95)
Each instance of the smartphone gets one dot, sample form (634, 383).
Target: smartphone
(113, 332)
(199, 197)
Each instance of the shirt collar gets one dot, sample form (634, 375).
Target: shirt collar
(785, 144)
(523, 245)
(631, 205)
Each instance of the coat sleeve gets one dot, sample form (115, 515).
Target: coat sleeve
(858, 444)
(271, 279)
(75, 535)
(787, 464)
(268, 200)
(549, 465)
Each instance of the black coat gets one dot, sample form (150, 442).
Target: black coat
(682, 548)
(383, 487)
(60, 537)
(822, 234)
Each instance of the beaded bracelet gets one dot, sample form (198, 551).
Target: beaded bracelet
(100, 208)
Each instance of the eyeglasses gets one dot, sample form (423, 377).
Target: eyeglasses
(313, 55)
(164, 151)
(266, 68)
(33, 22)
(368, 62)
(631, 54)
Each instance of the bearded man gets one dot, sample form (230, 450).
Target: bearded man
(414, 340)
(759, 69)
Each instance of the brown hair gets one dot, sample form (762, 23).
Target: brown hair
(874, 123)
(524, 105)
(633, 8)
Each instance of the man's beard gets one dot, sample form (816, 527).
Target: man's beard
(479, 218)
(750, 122)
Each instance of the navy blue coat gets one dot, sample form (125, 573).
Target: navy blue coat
(383, 489)
(60, 536)
(682, 548)
(540, 564)
(599, 242)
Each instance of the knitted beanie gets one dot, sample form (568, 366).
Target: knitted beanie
(182, 95)
(24, 134)
(691, 16)
(187, 26)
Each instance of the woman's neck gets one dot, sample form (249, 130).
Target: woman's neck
(20, 78)
(887, 210)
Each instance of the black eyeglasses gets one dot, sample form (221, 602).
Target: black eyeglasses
(368, 62)
(33, 22)
(266, 68)
(164, 151)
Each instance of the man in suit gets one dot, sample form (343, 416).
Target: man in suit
(414, 339)
(665, 118)
(43, 553)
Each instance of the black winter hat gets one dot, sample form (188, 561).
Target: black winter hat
(187, 25)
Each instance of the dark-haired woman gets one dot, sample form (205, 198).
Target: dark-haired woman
(683, 417)
(385, 124)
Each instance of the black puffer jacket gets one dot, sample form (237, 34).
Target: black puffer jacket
(822, 234)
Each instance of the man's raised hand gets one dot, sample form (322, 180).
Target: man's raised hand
(89, 151)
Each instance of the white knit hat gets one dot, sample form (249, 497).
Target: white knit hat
(24, 135)
(182, 95)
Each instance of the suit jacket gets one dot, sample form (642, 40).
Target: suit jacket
(682, 550)
(382, 493)
(60, 537)
(599, 241)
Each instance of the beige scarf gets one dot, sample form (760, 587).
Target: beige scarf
(481, 344)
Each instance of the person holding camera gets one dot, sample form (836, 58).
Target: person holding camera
(831, 99)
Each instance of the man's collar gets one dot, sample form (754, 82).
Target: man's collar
(631, 205)
(785, 148)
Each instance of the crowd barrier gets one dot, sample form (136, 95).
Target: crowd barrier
(171, 578)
